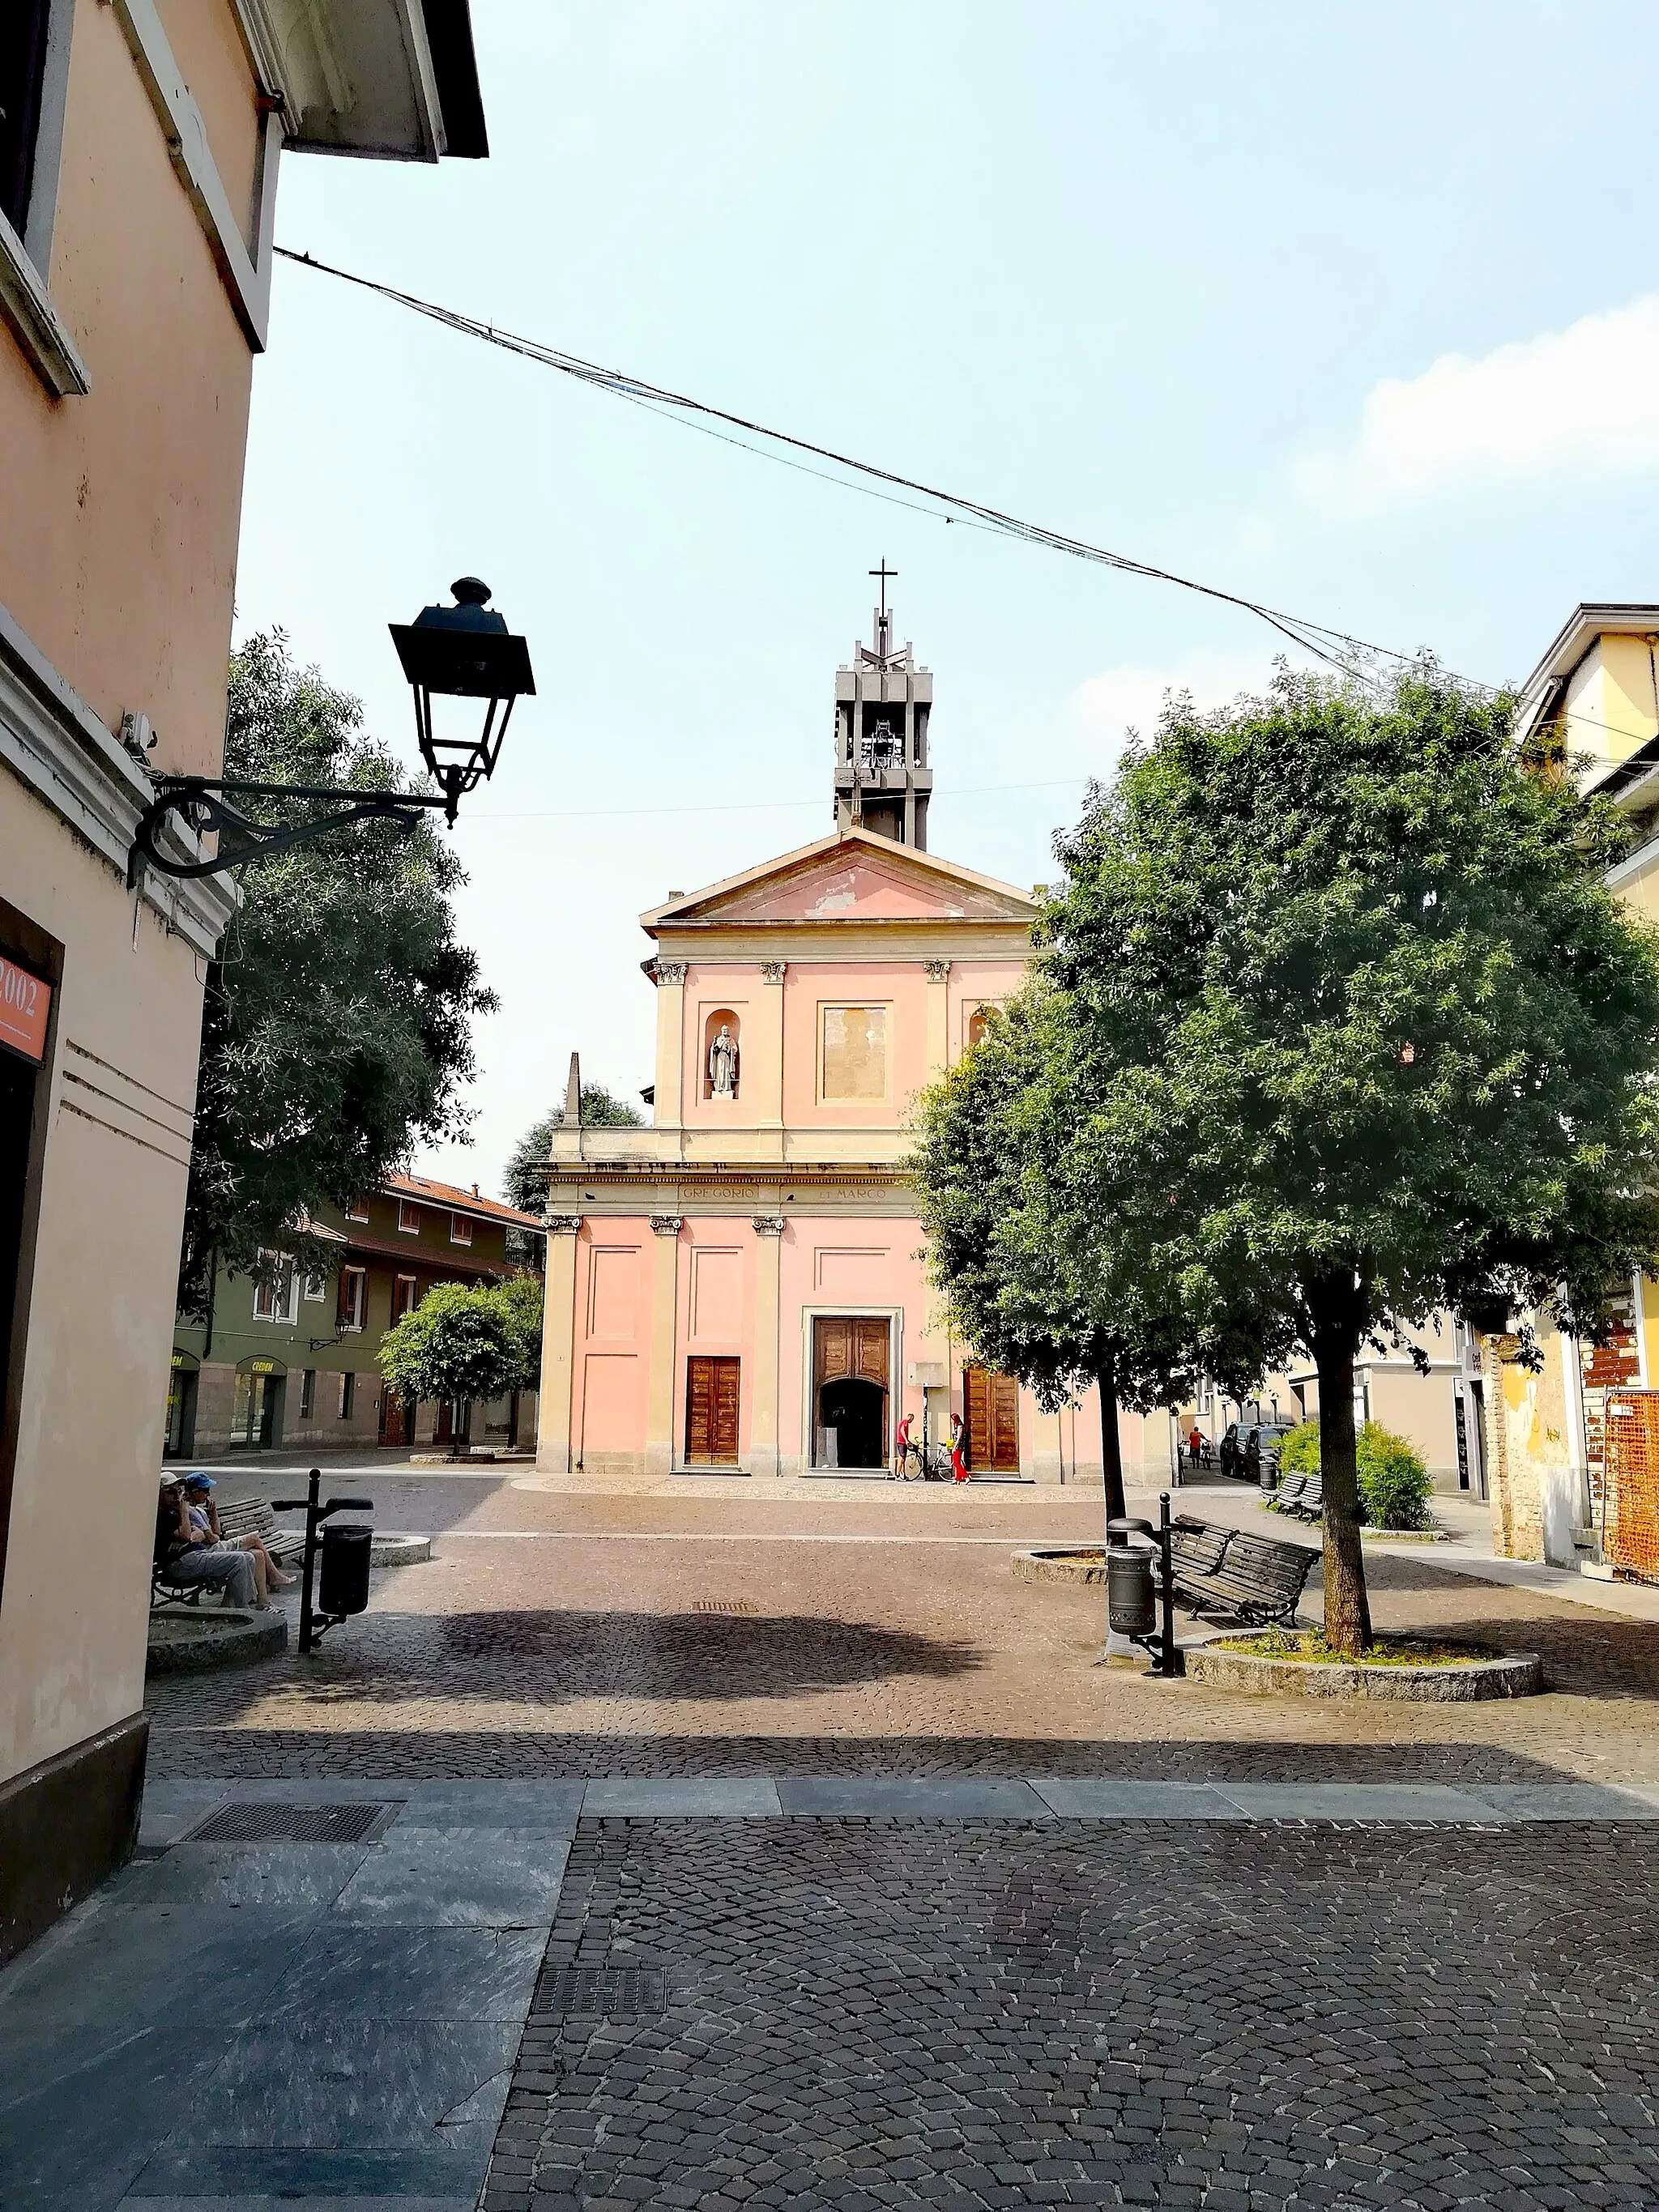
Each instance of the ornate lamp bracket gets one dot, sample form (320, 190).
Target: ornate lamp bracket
(200, 802)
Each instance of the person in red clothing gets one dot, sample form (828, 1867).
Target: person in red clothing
(1195, 1444)
(958, 1449)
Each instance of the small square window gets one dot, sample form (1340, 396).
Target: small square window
(404, 1301)
(461, 1229)
(408, 1217)
(316, 1288)
(358, 1210)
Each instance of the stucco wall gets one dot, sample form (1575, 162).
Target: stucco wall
(122, 507)
(122, 1077)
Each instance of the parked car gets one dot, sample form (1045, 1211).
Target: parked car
(1261, 1448)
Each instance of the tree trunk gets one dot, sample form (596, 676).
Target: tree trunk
(1111, 1451)
(1347, 1607)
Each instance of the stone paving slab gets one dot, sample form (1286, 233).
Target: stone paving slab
(455, 1878)
(689, 1797)
(873, 1797)
(1354, 1801)
(1138, 1801)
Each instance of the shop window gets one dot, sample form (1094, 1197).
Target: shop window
(853, 1057)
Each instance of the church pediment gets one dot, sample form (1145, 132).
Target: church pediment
(854, 876)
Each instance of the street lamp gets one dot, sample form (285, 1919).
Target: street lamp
(463, 652)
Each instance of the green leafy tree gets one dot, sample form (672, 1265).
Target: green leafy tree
(526, 1170)
(337, 1025)
(520, 1301)
(459, 1343)
(1043, 1280)
(1371, 1031)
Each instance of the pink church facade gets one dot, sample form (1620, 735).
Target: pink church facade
(741, 1286)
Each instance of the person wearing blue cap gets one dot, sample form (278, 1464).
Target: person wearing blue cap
(185, 1552)
(203, 1516)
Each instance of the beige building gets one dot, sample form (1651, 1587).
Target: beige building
(1596, 688)
(139, 147)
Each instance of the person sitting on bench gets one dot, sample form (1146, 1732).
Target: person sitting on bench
(185, 1554)
(204, 1518)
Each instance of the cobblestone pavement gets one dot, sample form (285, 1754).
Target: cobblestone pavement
(834, 2013)
(558, 1634)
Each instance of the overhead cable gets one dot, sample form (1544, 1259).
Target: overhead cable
(1355, 656)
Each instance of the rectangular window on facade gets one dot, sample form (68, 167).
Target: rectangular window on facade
(461, 1229)
(23, 25)
(404, 1303)
(316, 1288)
(348, 1394)
(711, 1412)
(408, 1217)
(307, 1394)
(853, 1054)
(276, 1290)
(358, 1210)
(353, 1281)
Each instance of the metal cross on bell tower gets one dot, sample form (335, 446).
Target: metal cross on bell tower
(883, 702)
(883, 620)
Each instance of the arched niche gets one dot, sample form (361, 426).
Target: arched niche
(718, 1019)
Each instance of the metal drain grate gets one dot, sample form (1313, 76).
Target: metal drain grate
(723, 1605)
(253, 1823)
(605, 1990)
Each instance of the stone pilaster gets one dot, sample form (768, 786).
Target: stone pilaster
(938, 973)
(554, 1404)
(670, 1112)
(763, 1399)
(664, 1297)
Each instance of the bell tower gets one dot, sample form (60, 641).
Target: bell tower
(883, 702)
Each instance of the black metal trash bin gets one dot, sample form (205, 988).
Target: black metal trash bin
(344, 1585)
(1131, 1591)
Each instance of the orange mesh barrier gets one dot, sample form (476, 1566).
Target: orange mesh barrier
(1630, 1490)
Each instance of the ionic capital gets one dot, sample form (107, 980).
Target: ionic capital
(768, 1224)
(562, 1224)
(666, 1224)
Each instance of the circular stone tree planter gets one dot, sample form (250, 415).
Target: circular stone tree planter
(1059, 1563)
(391, 1549)
(1512, 1675)
(190, 1639)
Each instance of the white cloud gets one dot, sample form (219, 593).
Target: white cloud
(1586, 397)
(1109, 705)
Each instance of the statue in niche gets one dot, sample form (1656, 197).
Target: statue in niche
(723, 1064)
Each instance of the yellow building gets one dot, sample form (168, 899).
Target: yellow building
(1597, 688)
(139, 147)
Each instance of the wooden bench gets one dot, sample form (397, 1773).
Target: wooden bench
(255, 1516)
(1308, 1501)
(1256, 1578)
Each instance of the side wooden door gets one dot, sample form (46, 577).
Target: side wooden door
(711, 1412)
(993, 1414)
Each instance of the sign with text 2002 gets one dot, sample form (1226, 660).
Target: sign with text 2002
(25, 1002)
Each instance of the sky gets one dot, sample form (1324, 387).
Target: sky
(1353, 311)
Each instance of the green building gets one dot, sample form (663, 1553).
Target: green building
(286, 1358)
